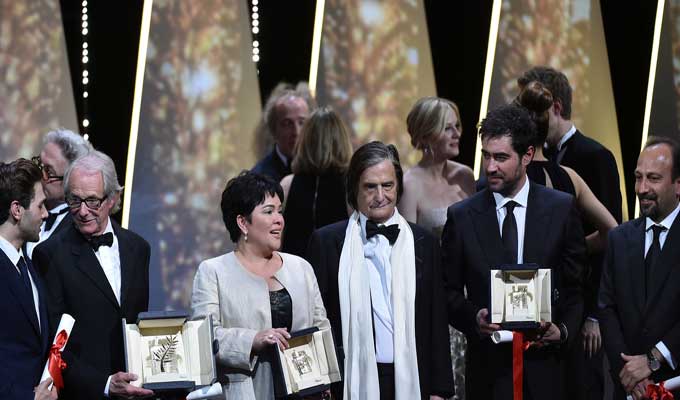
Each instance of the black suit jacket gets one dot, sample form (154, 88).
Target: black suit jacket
(23, 341)
(631, 322)
(78, 286)
(471, 244)
(597, 166)
(272, 166)
(432, 335)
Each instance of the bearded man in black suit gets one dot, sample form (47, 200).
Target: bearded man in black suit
(381, 283)
(98, 273)
(639, 296)
(512, 221)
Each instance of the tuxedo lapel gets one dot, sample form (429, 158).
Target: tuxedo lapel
(536, 227)
(126, 261)
(635, 245)
(16, 287)
(485, 224)
(670, 254)
(87, 263)
(42, 304)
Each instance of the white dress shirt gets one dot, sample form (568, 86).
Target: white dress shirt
(566, 137)
(649, 237)
(520, 212)
(109, 259)
(44, 235)
(377, 252)
(14, 255)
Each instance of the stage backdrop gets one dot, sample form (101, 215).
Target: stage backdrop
(35, 84)
(374, 64)
(567, 35)
(199, 105)
(665, 102)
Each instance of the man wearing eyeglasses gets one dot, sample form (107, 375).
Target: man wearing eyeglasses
(97, 272)
(61, 148)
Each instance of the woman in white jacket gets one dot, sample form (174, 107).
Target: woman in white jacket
(255, 294)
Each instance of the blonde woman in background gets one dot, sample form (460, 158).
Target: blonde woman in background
(435, 183)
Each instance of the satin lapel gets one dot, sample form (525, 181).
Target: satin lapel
(126, 261)
(88, 264)
(485, 224)
(15, 285)
(635, 246)
(418, 241)
(536, 227)
(669, 260)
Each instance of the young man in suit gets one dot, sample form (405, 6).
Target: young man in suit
(381, 283)
(639, 295)
(284, 114)
(23, 300)
(97, 272)
(597, 166)
(60, 149)
(512, 221)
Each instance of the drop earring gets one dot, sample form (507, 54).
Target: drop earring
(246, 236)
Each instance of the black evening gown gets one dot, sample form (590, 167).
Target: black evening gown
(313, 202)
(537, 170)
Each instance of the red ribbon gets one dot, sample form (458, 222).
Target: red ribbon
(56, 364)
(519, 345)
(659, 392)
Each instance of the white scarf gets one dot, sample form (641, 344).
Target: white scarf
(361, 372)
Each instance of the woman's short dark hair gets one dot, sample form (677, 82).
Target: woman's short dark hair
(242, 194)
(365, 157)
(17, 183)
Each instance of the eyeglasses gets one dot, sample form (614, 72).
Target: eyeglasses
(93, 203)
(47, 175)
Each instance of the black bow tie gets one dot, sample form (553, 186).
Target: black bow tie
(102, 240)
(389, 231)
(52, 218)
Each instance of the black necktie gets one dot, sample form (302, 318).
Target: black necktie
(510, 232)
(653, 254)
(23, 270)
(52, 217)
(102, 240)
(389, 231)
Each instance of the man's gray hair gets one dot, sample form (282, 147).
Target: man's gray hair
(96, 161)
(285, 91)
(72, 145)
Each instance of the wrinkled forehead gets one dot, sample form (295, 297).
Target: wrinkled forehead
(291, 106)
(84, 182)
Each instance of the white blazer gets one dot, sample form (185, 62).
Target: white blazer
(238, 302)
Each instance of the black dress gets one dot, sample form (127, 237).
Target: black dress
(313, 201)
(559, 178)
(281, 308)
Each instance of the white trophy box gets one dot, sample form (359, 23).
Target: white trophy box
(521, 296)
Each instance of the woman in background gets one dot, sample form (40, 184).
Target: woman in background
(255, 295)
(537, 99)
(315, 192)
(434, 184)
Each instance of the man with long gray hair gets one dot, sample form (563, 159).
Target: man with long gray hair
(97, 272)
(61, 147)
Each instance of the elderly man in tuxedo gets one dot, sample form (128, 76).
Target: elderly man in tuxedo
(23, 301)
(60, 148)
(639, 296)
(381, 283)
(512, 221)
(97, 272)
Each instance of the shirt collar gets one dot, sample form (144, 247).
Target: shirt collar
(566, 137)
(10, 251)
(362, 220)
(521, 198)
(281, 156)
(666, 223)
(109, 227)
(58, 208)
